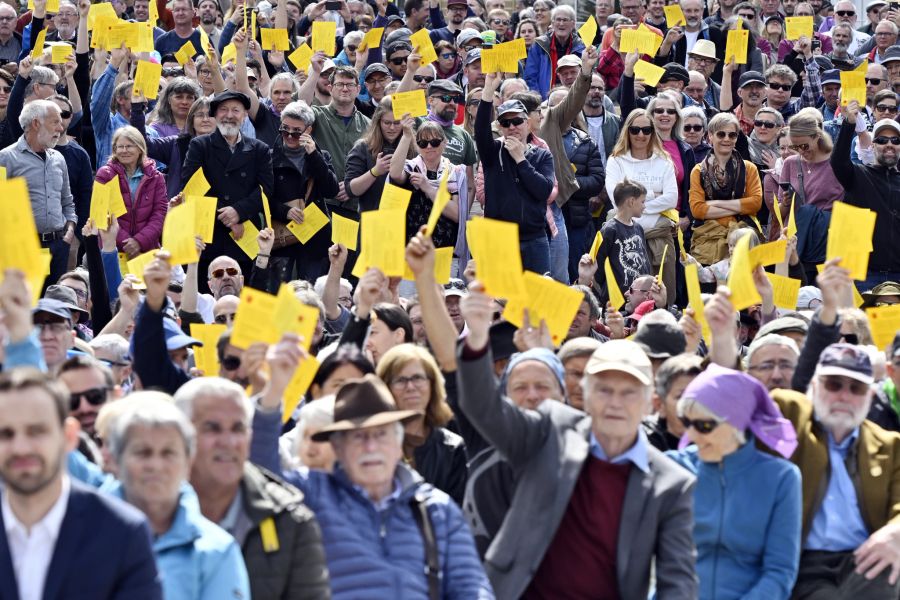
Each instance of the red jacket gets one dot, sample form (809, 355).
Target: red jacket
(146, 212)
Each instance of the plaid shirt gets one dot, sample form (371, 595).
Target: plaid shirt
(812, 91)
(610, 66)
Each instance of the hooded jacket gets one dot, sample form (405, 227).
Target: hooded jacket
(146, 210)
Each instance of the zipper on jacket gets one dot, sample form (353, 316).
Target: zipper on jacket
(721, 523)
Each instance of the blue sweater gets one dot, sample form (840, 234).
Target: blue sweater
(747, 521)
(372, 553)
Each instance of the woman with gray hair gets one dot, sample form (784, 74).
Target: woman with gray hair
(747, 503)
(152, 444)
(693, 131)
(173, 106)
(302, 450)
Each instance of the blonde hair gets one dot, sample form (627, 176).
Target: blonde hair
(134, 136)
(623, 144)
(808, 122)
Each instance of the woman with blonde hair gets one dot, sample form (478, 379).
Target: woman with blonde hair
(143, 190)
(416, 382)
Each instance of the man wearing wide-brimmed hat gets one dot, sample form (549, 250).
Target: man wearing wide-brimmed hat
(385, 530)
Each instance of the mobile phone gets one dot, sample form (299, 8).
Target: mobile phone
(332, 5)
(816, 44)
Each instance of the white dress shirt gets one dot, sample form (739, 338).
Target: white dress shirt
(32, 551)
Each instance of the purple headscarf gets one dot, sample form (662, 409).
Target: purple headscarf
(744, 403)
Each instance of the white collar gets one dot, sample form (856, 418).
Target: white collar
(51, 522)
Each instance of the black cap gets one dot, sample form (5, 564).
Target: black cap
(443, 86)
(375, 68)
(675, 72)
(227, 95)
(660, 340)
(751, 77)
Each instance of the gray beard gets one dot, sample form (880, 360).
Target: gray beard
(886, 162)
(839, 49)
(228, 130)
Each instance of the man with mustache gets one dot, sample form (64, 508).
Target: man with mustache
(842, 39)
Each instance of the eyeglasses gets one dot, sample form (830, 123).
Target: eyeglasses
(634, 130)
(874, 80)
(125, 147)
(377, 81)
(55, 327)
(293, 133)
(447, 55)
(7, 19)
(845, 13)
(884, 33)
(398, 61)
(387, 123)
(881, 140)
(204, 72)
(421, 78)
(448, 98)
(703, 426)
(784, 87)
(702, 60)
(94, 396)
(359, 437)
(231, 363)
(766, 124)
(418, 380)
(561, 20)
(665, 111)
(500, 21)
(514, 122)
(220, 273)
(731, 135)
(695, 128)
(638, 290)
(425, 143)
(799, 147)
(351, 48)
(890, 108)
(468, 47)
(222, 319)
(835, 384)
(769, 366)
(65, 114)
(344, 84)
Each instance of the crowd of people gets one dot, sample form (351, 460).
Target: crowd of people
(657, 377)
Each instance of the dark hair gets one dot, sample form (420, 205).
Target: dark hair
(346, 354)
(83, 361)
(27, 378)
(593, 305)
(222, 344)
(531, 100)
(395, 318)
(345, 71)
(626, 190)
(411, 5)
(675, 367)
(7, 77)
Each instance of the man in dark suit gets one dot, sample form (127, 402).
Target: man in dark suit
(594, 504)
(235, 168)
(60, 540)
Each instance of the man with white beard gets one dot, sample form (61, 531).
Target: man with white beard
(235, 168)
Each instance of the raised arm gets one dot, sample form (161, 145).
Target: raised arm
(397, 173)
(240, 72)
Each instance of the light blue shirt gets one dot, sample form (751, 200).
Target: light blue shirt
(133, 182)
(636, 455)
(838, 525)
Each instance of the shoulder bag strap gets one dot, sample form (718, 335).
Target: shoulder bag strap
(432, 564)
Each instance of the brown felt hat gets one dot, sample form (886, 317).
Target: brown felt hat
(361, 403)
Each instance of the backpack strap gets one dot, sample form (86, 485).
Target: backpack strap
(432, 564)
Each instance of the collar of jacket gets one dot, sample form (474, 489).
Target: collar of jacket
(732, 464)
(184, 529)
(543, 42)
(219, 140)
(264, 495)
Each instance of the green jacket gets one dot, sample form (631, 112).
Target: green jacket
(338, 138)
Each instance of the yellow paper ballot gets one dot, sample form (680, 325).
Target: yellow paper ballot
(324, 34)
(122, 32)
(853, 87)
(254, 320)
(498, 259)
(38, 48)
(518, 49)
(267, 208)
(384, 241)
(145, 37)
(229, 53)
(300, 57)
(344, 231)
(776, 208)
(178, 235)
(736, 46)
(411, 103)
(298, 385)
(248, 241)
(154, 13)
(206, 357)
(490, 61)
(313, 220)
(548, 300)
(101, 31)
(588, 31)
(674, 16)
(60, 53)
(785, 291)
(372, 39)
(440, 203)
(137, 265)
(884, 322)
(146, 80)
(99, 214)
(19, 245)
(681, 243)
(740, 277)
(595, 246)
(796, 27)
(768, 254)
(52, 6)
(612, 286)
(695, 299)
(422, 41)
(197, 185)
(791, 230)
(274, 39)
(101, 8)
(123, 263)
(394, 198)
(253, 25)
(850, 238)
(205, 45)
(650, 73)
(662, 264)
(185, 53)
(204, 215)
(293, 316)
(443, 261)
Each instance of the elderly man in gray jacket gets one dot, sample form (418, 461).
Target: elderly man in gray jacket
(594, 504)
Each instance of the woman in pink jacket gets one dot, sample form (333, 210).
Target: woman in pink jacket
(143, 190)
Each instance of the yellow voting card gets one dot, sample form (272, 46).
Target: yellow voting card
(736, 46)
(38, 48)
(768, 254)
(254, 321)
(101, 8)
(650, 73)
(178, 235)
(440, 203)
(674, 16)
(443, 261)
(740, 277)
(52, 6)
(205, 45)
(298, 385)
(490, 61)
(122, 32)
(19, 245)
(588, 31)
(548, 300)
(518, 48)
(853, 87)
(695, 299)
(267, 208)
(206, 357)
(300, 57)
(274, 39)
(612, 286)
(776, 208)
(99, 213)
(372, 39)
(229, 53)
(204, 215)
(411, 103)
(498, 259)
(791, 230)
(60, 53)
(248, 242)
(344, 231)
(595, 246)
(394, 198)
(154, 13)
(137, 265)
(662, 264)
(185, 53)
(422, 41)
(681, 247)
(642, 40)
(384, 241)
(146, 80)
(313, 220)
(293, 316)
(197, 185)
(850, 238)
(784, 291)
(884, 321)
(796, 27)
(324, 34)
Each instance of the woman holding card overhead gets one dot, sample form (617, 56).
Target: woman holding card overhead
(724, 190)
(143, 190)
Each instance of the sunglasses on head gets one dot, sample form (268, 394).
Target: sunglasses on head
(434, 143)
(220, 273)
(634, 130)
(448, 98)
(94, 396)
(874, 80)
(697, 128)
(893, 140)
(664, 111)
(700, 425)
(421, 78)
(398, 61)
(799, 147)
(231, 363)
(223, 318)
(293, 133)
(834, 384)
(766, 124)
(784, 87)
(891, 108)
(731, 135)
(514, 122)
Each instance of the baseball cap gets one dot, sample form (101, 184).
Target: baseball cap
(885, 124)
(784, 325)
(845, 360)
(569, 60)
(807, 294)
(892, 54)
(467, 35)
(375, 68)
(624, 356)
(176, 338)
(53, 307)
(443, 86)
(511, 106)
(455, 287)
(472, 55)
(831, 76)
(394, 19)
(751, 77)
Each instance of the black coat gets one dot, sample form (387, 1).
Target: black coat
(441, 461)
(589, 174)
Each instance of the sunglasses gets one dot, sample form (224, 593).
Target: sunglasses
(850, 338)
(784, 87)
(696, 128)
(223, 318)
(421, 78)
(500, 21)
(881, 140)
(634, 130)
(448, 98)
(514, 122)
(231, 363)
(664, 111)
(833, 384)
(65, 114)
(398, 61)
(799, 147)
(5, 89)
(351, 48)
(845, 13)
(425, 143)
(293, 133)
(874, 80)
(891, 108)
(447, 55)
(94, 396)
(220, 273)
(703, 426)
(766, 124)
(731, 135)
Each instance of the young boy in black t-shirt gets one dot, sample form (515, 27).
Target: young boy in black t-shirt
(623, 239)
